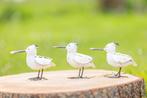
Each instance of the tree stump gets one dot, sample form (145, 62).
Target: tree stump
(60, 84)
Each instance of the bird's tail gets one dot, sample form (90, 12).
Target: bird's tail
(53, 64)
(134, 63)
(92, 65)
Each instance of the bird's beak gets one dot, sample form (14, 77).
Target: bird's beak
(17, 51)
(99, 49)
(59, 46)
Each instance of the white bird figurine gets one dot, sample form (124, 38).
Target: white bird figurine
(34, 61)
(76, 59)
(116, 59)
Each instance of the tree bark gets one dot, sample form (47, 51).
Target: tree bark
(64, 84)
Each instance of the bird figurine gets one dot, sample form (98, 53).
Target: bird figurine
(34, 61)
(116, 59)
(76, 59)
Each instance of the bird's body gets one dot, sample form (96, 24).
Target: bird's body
(76, 59)
(39, 62)
(116, 59)
(119, 60)
(34, 61)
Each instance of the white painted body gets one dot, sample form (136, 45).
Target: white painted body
(78, 60)
(37, 62)
(116, 59)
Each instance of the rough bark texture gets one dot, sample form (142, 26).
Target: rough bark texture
(61, 85)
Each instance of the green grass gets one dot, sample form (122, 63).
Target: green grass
(58, 23)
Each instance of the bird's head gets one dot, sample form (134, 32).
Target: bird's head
(30, 50)
(109, 48)
(71, 47)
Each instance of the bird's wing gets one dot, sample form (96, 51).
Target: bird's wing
(123, 58)
(82, 59)
(43, 60)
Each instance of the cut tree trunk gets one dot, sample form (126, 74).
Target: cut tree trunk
(63, 84)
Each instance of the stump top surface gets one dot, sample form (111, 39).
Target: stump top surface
(59, 81)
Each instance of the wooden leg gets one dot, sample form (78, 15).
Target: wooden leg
(79, 72)
(119, 73)
(82, 72)
(38, 74)
(41, 74)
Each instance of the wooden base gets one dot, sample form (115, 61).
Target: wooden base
(64, 84)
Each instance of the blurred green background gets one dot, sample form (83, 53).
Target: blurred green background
(91, 23)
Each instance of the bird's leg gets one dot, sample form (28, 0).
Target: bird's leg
(79, 72)
(36, 78)
(38, 74)
(119, 73)
(41, 74)
(82, 72)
